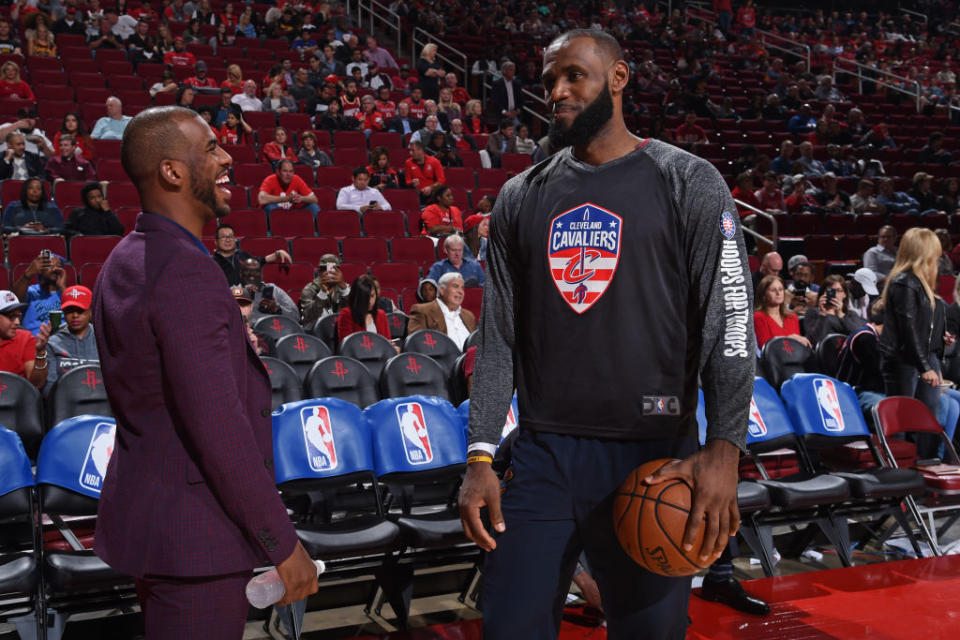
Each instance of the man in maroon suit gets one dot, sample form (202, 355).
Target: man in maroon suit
(188, 506)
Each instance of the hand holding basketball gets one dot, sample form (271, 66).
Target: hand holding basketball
(712, 473)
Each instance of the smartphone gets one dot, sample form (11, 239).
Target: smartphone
(55, 316)
(268, 293)
(331, 267)
(45, 254)
(831, 294)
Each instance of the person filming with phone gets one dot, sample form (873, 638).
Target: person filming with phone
(268, 299)
(45, 294)
(326, 293)
(832, 314)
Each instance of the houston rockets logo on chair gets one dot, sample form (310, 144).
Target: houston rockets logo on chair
(583, 248)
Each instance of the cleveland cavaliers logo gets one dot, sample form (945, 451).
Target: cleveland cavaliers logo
(583, 249)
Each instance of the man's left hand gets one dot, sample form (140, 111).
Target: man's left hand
(712, 472)
(43, 335)
(269, 306)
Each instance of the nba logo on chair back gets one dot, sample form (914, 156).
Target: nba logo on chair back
(583, 248)
(756, 426)
(318, 438)
(413, 433)
(98, 454)
(830, 413)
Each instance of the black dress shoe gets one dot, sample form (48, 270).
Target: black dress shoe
(732, 594)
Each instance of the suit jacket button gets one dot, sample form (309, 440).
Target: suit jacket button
(265, 413)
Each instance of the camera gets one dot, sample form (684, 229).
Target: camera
(331, 267)
(268, 293)
(800, 289)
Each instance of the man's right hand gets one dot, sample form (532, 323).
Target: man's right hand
(480, 488)
(299, 575)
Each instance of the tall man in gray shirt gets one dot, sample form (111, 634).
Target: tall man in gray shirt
(617, 276)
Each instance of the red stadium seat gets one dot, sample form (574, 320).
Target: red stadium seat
(67, 195)
(491, 178)
(461, 199)
(338, 223)
(365, 250)
(97, 94)
(263, 246)
(55, 108)
(515, 162)
(250, 175)
(261, 120)
(460, 177)
(241, 153)
(472, 300)
(84, 249)
(238, 198)
(350, 157)
(471, 159)
(23, 249)
(349, 139)
(106, 149)
(326, 198)
(123, 194)
(288, 276)
(308, 249)
(88, 273)
(128, 218)
(419, 250)
(477, 194)
(402, 200)
(110, 170)
(113, 68)
(396, 275)
(295, 121)
(335, 177)
(388, 139)
(305, 172)
(353, 270)
(247, 222)
(386, 224)
(291, 223)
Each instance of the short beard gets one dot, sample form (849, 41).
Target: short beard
(205, 191)
(587, 124)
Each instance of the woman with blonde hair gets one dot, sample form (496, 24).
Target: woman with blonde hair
(42, 44)
(473, 117)
(11, 85)
(913, 326)
(234, 80)
(430, 72)
(771, 316)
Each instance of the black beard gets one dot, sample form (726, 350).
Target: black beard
(586, 125)
(205, 192)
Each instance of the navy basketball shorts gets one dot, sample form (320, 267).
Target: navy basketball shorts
(557, 504)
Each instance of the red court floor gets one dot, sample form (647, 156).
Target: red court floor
(905, 600)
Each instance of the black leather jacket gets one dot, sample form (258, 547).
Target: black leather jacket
(908, 326)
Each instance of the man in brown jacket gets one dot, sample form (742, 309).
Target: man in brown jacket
(445, 313)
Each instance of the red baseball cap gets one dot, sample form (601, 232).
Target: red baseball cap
(77, 296)
(473, 221)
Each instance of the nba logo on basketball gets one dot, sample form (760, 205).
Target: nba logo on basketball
(830, 413)
(94, 468)
(583, 248)
(318, 438)
(413, 432)
(756, 427)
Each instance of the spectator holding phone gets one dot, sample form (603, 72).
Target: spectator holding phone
(361, 312)
(832, 313)
(359, 196)
(44, 295)
(326, 293)
(268, 299)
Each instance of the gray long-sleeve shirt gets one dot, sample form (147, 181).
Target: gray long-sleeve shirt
(610, 290)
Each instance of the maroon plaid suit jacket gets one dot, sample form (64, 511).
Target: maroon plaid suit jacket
(189, 490)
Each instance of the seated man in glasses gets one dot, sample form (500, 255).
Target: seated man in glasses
(21, 352)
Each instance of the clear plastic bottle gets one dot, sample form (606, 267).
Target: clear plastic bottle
(267, 588)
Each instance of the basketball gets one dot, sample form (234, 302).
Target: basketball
(650, 521)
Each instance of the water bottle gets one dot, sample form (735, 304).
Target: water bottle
(267, 588)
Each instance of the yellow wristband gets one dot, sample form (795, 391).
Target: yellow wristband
(473, 459)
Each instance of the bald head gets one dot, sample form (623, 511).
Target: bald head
(152, 136)
(772, 264)
(605, 44)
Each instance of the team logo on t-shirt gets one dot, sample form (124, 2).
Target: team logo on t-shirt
(583, 247)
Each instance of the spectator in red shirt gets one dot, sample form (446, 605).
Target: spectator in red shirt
(690, 135)
(441, 218)
(770, 196)
(747, 18)
(74, 126)
(744, 192)
(382, 175)
(235, 129)
(473, 118)
(234, 80)
(11, 86)
(771, 317)
(724, 12)
(361, 312)
(286, 190)
(423, 172)
(370, 119)
(20, 352)
(69, 165)
(460, 95)
(801, 199)
(349, 101)
(279, 149)
(179, 57)
(200, 79)
(384, 104)
(418, 109)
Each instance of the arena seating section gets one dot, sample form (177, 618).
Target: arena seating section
(375, 510)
